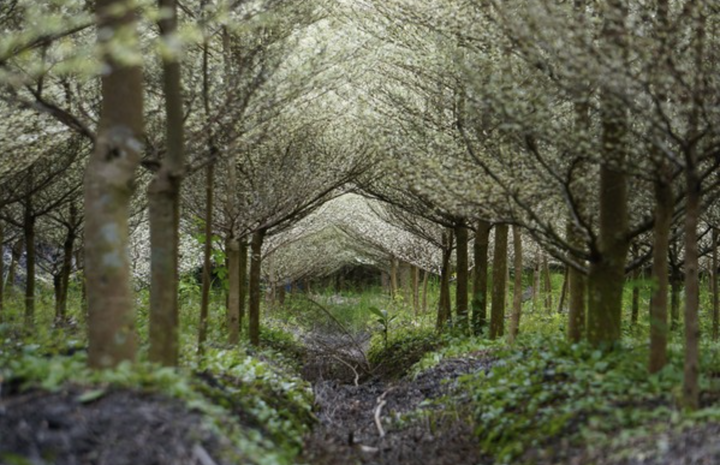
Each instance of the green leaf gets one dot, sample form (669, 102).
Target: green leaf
(90, 396)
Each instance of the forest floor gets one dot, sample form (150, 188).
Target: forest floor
(366, 416)
(387, 418)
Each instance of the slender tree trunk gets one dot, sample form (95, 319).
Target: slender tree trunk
(536, 282)
(577, 284)
(713, 277)
(461, 296)
(207, 256)
(57, 287)
(692, 293)
(393, 277)
(517, 284)
(242, 282)
(29, 232)
(480, 277)
(444, 311)
(68, 252)
(255, 267)
(691, 388)
(164, 206)
(675, 287)
(425, 290)
(659, 299)
(563, 290)
(108, 187)
(281, 295)
(415, 271)
(232, 248)
(497, 309)
(547, 285)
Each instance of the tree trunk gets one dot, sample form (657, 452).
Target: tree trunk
(426, 275)
(108, 188)
(547, 285)
(658, 301)
(207, 256)
(577, 284)
(607, 271)
(68, 252)
(164, 206)
(517, 284)
(242, 282)
(536, 282)
(415, 271)
(497, 309)
(393, 278)
(57, 286)
(232, 249)
(692, 292)
(675, 287)
(563, 290)
(714, 285)
(255, 267)
(444, 311)
(461, 296)
(480, 277)
(29, 233)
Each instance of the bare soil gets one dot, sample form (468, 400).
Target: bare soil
(119, 428)
(349, 413)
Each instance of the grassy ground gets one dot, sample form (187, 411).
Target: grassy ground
(540, 401)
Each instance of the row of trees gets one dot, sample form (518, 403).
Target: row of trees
(589, 127)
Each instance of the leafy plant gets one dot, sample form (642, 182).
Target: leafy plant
(384, 319)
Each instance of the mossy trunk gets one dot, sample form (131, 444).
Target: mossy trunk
(659, 298)
(164, 205)
(480, 277)
(109, 179)
(497, 308)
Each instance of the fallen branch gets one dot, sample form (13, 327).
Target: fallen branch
(357, 376)
(381, 402)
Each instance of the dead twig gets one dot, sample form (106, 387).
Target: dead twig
(357, 376)
(381, 402)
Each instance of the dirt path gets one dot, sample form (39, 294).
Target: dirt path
(377, 421)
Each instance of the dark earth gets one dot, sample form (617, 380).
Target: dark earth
(133, 427)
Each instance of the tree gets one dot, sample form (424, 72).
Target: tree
(108, 186)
